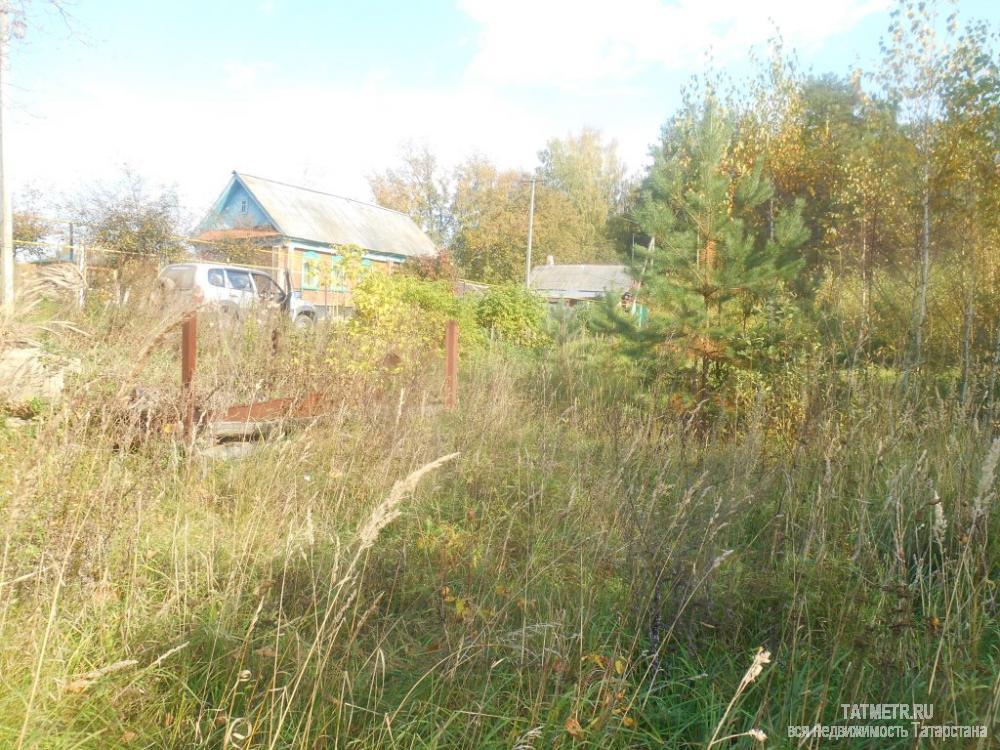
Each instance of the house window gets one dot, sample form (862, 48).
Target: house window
(338, 279)
(310, 270)
(243, 206)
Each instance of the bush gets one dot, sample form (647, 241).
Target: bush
(407, 315)
(512, 314)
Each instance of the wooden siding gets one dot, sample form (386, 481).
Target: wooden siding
(291, 257)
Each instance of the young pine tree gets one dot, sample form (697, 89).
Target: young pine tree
(713, 264)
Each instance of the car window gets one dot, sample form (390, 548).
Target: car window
(266, 287)
(215, 277)
(239, 280)
(181, 276)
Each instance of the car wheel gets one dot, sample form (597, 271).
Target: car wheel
(304, 321)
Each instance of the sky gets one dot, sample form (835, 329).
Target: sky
(323, 93)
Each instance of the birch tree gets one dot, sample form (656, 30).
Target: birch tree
(912, 74)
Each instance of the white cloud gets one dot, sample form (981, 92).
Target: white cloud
(570, 44)
(258, 118)
(325, 137)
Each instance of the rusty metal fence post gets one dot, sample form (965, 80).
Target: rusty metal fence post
(451, 364)
(189, 359)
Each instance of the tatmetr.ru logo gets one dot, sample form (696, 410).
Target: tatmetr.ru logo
(890, 722)
(888, 711)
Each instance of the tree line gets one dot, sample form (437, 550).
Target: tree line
(479, 212)
(861, 211)
(857, 210)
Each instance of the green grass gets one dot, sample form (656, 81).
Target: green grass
(579, 542)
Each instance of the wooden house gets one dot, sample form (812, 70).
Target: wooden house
(304, 232)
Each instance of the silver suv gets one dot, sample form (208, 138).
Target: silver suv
(235, 289)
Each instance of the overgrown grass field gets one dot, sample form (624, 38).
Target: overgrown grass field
(555, 563)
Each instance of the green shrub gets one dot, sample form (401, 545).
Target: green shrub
(513, 314)
(407, 315)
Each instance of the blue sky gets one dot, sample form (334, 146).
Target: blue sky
(322, 93)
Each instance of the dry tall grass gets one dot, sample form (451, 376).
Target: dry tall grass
(592, 572)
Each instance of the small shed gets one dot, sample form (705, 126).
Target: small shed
(579, 282)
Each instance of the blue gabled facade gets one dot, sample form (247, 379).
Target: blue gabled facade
(236, 208)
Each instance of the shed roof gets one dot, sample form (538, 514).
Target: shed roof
(311, 215)
(584, 280)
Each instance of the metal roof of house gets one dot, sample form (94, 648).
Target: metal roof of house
(315, 216)
(579, 280)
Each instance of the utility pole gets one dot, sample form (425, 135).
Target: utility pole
(531, 227)
(6, 219)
